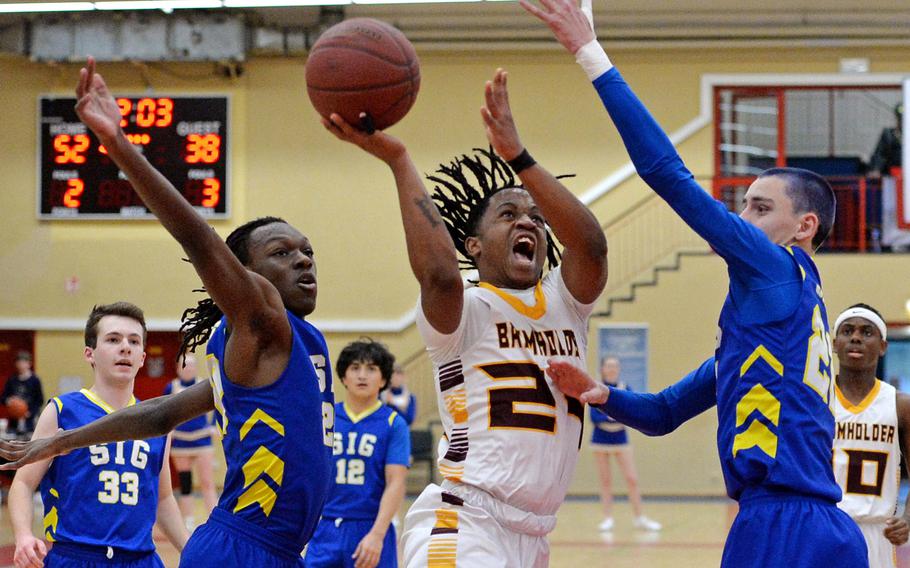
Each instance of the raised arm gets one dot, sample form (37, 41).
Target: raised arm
(155, 417)
(252, 305)
(652, 414)
(584, 257)
(745, 248)
(430, 249)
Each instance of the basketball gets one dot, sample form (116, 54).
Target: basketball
(363, 65)
(16, 408)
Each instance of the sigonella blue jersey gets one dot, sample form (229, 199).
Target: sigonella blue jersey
(277, 440)
(364, 444)
(774, 389)
(106, 494)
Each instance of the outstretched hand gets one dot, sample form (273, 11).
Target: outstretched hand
(386, 148)
(568, 22)
(96, 106)
(497, 118)
(574, 382)
(19, 453)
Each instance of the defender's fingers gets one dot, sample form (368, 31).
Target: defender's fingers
(534, 10)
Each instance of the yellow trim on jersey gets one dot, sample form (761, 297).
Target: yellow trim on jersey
(442, 552)
(58, 403)
(101, 404)
(355, 418)
(50, 524)
(762, 352)
(392, 417)
(260, 493)
(863, 404)
(756, 435)
(534, 312)
(758, 398)
(263, 462)
(260, 415)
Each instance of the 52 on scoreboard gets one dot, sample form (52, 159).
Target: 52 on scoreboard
(185, 138)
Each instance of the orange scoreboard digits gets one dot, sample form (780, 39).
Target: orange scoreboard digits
(185, 138)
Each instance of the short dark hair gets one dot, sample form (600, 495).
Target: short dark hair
(365, 350)
(810, 193)
(124, 309)
(24, 356)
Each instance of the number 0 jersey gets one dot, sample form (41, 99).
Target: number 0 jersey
(507, 430)
(277, 440)
(103, 495)
(867, 453)
(774, 388)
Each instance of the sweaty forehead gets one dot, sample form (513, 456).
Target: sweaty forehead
(276, 231)
(513, 196)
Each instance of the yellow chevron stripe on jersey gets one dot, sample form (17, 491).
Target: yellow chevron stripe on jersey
(756, 435)
(263, 462)
(260, 415)
(762, 352)
(260, 493)
(534, 312)
(392, 417)
(758, 398)
(50, 524)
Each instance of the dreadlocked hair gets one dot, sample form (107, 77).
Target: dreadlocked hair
(197, 322)
(462, 191)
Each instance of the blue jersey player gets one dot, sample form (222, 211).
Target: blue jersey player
(270, 386)
(770, 376)
(372, 450)
(99, 502)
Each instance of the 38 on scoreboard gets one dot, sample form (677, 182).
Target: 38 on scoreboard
(185, 138)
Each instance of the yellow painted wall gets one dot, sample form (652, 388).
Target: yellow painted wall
(285, 164)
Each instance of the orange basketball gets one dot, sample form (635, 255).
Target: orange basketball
(16, 408)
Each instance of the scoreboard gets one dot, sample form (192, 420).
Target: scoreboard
(184, 138)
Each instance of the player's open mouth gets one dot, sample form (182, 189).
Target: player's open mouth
(524, 248)
(124, 363)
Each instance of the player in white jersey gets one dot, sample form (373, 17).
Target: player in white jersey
(872, 420)
(512, 441)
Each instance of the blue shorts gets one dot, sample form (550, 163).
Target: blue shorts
(72, 555)
(601, 437)
(774, 530)
(225, 541)
(335, 541)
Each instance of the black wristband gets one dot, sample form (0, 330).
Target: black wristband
(521, 162)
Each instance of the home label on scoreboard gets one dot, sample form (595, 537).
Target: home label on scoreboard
(184, 138)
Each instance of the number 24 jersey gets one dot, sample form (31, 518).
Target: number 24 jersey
(508, 431)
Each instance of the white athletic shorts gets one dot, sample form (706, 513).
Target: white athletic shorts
(882, 553)
(460, 526)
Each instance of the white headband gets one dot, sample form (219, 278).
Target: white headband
(865, 314)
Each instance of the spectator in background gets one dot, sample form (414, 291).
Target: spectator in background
(191, 447)
(399, 397)
(609, 438)
(26, 385)
(887, 152)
